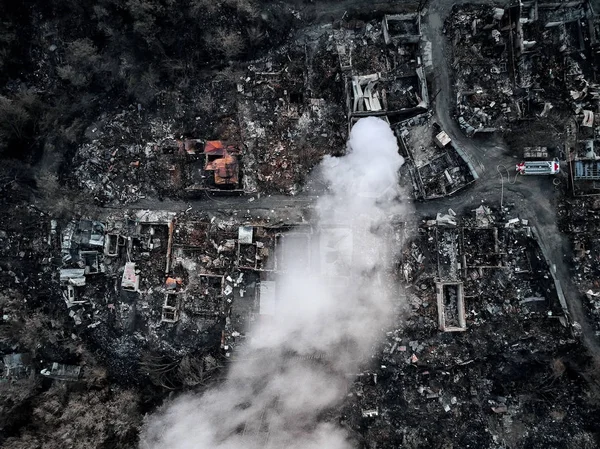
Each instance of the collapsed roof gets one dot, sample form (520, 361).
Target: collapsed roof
(222, 159)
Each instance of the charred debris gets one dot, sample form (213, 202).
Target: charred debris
(580, 220)
(166, 298)
(529, 70)
(470, 366)
(519, 62)
(169, 298)
(276, 117)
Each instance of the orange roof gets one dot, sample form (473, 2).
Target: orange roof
(172, 283)
(225, 168)
(213, 147)
(219, 148)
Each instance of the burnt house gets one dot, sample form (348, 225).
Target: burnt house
(221, 165)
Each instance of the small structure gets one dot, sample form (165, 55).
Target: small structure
(245, 235)
(170, 310)
(81, 235)
(130, 281)
(111, 246)
(257, 254)
(90, 261)
(16, 366)
(71, 297)
(72, 276)
(211, 285)
(344, 52)
(59, 371)
(222, 162)
(402, 28)
(371, 413)
(451, 306)
(442, 139)
(587, 170)
(584, 162)
(85, 233)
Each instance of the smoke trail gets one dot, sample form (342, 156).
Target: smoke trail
(337, 308)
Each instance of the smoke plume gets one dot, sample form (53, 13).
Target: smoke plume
(332, 305)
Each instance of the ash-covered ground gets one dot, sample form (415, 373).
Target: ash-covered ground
(254, 224)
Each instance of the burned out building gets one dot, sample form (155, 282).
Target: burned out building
(516, 64)
(16, 366)
(580, 222)
(216, 169)
(483, 56)
(402, 28)
(385, 77)
(481, 295)
(62, 372)
(385, 74)
(289, 113)
(433, 162)
(459, 256)
(582, 156)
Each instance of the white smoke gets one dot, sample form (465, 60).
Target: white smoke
(335, 311)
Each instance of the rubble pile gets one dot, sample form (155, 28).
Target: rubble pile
(286, 129)
(383, 68)
(128, 157)
(176, 294)
(36, 335)
(119, 166)
(566, 40)
(291, 101)
(276, 121)
(499, 377)
(152, 286)
(482, 59)
(383, 65)
(281, 114)
(580, 220)
(529, 61)
(434, 163)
